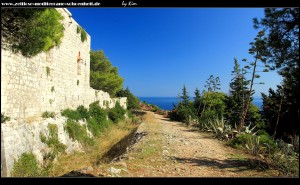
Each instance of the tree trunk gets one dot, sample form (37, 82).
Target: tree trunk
(278, 116)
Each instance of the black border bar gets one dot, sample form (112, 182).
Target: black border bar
(150, 3)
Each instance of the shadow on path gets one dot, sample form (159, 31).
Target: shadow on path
(235, 165)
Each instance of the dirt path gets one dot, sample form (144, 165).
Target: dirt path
(172, 149)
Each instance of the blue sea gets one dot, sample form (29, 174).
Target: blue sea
(166, 103)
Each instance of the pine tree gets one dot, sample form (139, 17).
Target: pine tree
(259, 52)
(282, 25)
(104, 76)
(237, 94)
(197, 101)
(185, 96)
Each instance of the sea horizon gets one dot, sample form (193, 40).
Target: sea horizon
(168, 102)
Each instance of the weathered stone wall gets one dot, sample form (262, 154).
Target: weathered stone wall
(51, 81)
(20, 137)
(28, 90)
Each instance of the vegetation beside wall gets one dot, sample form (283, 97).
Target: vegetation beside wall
(18, 34)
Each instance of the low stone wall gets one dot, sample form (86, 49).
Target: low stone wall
(24, 136)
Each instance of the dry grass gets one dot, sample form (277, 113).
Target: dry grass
(32, 119)
(103, 143)
(149, 118)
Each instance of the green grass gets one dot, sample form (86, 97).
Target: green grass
(52, 141)
(4, 118)
(48, 71)
(26, 166)
(78, 132)
(237, 156)
(47, 114)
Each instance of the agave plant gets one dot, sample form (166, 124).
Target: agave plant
(248, 129)
(220, 128)
(253, 144)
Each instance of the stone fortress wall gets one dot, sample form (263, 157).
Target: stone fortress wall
(50, 81)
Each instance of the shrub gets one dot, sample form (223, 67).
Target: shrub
(83, 112)
(182, 112)
(240, 140)
(83, 35)
(78, 132)
(33, 30)
(266, 140)
(52, 141)
(132, 100)
(4, 118)
(289, 164)
(220, 128)
(117, 113)
(97, 112)
(71, 114)
(206, 118)
(26, 166)
(47, 114)
(95, 127)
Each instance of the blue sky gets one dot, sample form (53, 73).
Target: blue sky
(157, 50)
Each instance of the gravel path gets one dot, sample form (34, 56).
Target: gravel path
(170, 149)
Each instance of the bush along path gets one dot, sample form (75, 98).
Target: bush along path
(170, 149)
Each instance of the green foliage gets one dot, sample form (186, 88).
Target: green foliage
(96, 127)
(220, 128)
(240, 140)
(280, 110)
(282, 25)
(260, 54)
(96, 112)
(266, 140)
(254, 117)
(78, 29)
(184, 111)
(132, 100)
(52, 89)
(47, 114)
(103, 75)
(51, 101)
(52, 141)
(282, 28)
(83, 34)
(83, 112)
(48, 71)
(71, 114)
(117, 113)
(78, 132)
(256, 144)
(4, 118)
(212, 84)
(31, 31)
(97, 122)
(155, 108)
(289, 164)
(238, 95)
(197, 101)
(213, 107)
(184, 97)
(26, 166)
(96, 117)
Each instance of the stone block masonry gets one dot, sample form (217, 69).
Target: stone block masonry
(50, 81)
